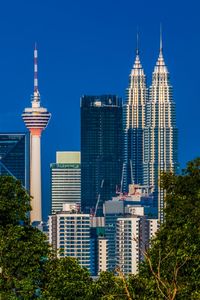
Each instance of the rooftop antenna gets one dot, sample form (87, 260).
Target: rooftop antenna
(161, 40)
(137, 42)
(36, 70)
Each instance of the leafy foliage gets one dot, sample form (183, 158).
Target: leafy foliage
(23, 250)
(29, 268)
(109, 287)
(65, 279)
(14, 202)
(172, 268)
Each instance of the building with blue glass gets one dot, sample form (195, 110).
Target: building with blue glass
(101, 150)
(14, 156)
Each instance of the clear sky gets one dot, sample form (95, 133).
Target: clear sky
(88, 47)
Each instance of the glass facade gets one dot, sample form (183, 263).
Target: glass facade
(65, 185)
(65, 180)
(101, 150)
(14, 156)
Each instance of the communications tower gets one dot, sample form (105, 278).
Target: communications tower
(36, 119)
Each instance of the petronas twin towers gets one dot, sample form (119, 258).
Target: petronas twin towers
(150, 129)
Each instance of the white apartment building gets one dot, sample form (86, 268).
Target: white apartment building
(102, 254)
(132, 237)
(134, 232)
(69, 234)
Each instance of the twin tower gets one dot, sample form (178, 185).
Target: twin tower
(151, 137)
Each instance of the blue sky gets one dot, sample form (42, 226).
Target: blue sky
(88, 47)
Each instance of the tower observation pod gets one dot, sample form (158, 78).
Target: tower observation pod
(36, 119)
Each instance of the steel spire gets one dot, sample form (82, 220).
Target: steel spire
(160, 61)
(161, 40)
(36, 96)
(137, 64)
(137, 43)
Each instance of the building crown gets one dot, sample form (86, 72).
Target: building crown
(160, 64)
(137, 69)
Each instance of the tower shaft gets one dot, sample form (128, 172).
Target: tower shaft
(35, 176)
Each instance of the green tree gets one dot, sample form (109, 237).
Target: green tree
(110, 286)
(23, 252)
(65, 279)
(22, 247)
(172, 266)
(28, 267)
(14, 202)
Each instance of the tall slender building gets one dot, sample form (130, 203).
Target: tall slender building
(161, 131)
(134, 124)
(65, 179)
(36, 119)
(101, 150)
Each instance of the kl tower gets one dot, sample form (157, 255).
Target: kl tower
(36, 119)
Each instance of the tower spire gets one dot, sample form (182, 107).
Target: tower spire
(160, 61)
(161, 39)
(36, 96)
(137, 43)
(137, 64)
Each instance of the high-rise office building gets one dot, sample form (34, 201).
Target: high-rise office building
(134, 124)
(101, 150)
(69, 234)
(160, 132)
(65, 179)
(36, 119)
(14, 156)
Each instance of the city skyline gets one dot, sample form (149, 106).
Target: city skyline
(82, 52)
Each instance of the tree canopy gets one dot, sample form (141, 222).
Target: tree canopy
(172, 266)
(14, 202)
(29, 268)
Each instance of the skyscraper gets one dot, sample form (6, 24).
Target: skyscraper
(160, 132)
(36, 119)
(101, 150)
(65, 179)
(134, 124)
(14, 156)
